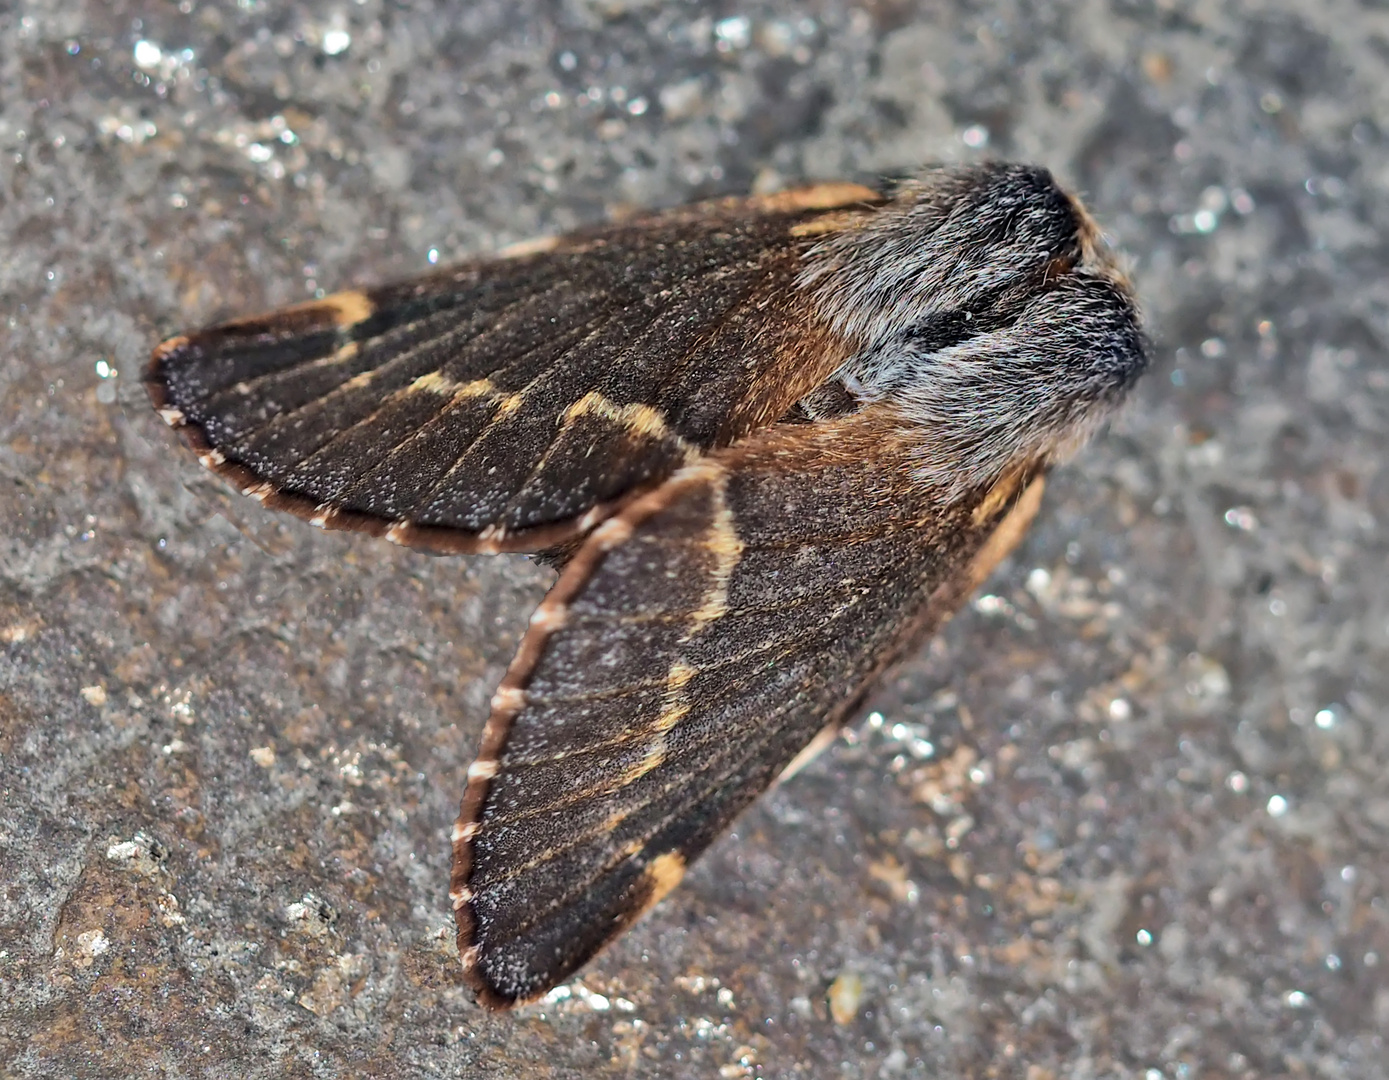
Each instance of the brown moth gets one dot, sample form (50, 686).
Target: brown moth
(771, 443)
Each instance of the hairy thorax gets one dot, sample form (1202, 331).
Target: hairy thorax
(984, 305)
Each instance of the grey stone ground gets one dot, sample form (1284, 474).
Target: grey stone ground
(1151, 838)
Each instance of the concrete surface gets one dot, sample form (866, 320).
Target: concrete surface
(1148, 836)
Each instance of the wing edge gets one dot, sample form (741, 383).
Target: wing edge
(434, 539)
(1011, 503)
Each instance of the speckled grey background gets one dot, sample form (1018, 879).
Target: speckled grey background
(1128, 817)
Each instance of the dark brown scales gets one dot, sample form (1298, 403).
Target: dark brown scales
(772, 442)
(653, 710)
(489, 407)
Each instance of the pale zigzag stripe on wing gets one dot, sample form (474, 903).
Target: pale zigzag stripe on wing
(357, 382)
(443, 339)
(675, 706)
(747, 611)
(359, 307)
(553, 371)
(439, 384)
(727, 548)
(510, 402)
(788, 647)
(694, 781)
(723, 543)
(574, 798)
(346, 351)
(644, 421)
(661, 683)
(672, 301)
(723, 539)
(653, 684)
(608, 745)
(678, 676)
(767, 719)
(517, 400)
(505, 404)
(731, 753)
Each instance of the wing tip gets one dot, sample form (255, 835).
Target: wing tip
(490, 996)
(658, 878)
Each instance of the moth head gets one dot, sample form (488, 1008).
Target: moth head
(983, 304)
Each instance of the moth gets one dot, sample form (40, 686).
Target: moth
(771, 443)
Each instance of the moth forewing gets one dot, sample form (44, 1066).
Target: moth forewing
(773, 443)
(692, 649)
(509, 404)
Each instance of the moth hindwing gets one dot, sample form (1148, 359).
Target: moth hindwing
(772, 443)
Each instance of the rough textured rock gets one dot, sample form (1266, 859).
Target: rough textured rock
(1129, 816)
